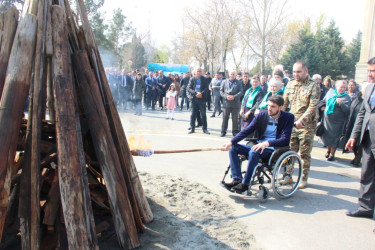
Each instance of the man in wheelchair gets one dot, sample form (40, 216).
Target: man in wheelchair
(274, 128)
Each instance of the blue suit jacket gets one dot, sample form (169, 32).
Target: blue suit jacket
(259, 123)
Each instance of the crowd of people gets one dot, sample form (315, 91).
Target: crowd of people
(240, 97)
(275, 109)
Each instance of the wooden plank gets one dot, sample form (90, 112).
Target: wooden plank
(106, 152)
(13, 101)
(1, 27)
(130, 173)
(51, 208)
(74, 192)
(8, 33)
(126, 159)
(30, 185)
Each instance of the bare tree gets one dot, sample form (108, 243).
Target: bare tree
(262, 25)
(208, 34)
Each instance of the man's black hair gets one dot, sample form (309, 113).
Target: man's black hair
(371, 61)
(279, 100)
(304, 65)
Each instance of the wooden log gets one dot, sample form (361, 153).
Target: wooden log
(13, 101)
(126, 159)
(10, 20)
(124, 216)
(30, 186)
(52, 205)
(75, 198)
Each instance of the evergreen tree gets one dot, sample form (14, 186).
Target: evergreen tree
(118, 30)
(99, 28)
(304, 49)
(331, 50)
(353, 52)
(138, 53)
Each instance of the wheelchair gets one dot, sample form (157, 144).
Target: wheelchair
(282, 164)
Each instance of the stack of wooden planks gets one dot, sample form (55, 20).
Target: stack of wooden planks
(61, 177)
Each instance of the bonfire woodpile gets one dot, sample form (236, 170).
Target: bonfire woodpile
(65, 179)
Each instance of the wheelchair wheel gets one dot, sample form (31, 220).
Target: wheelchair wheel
(263, 194)
(287, 174)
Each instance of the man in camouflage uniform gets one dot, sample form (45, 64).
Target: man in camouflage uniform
(302, 94)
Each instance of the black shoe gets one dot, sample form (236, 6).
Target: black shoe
(240, 188)
(229, 185)
(327, 154)
(356, 162)
(223, 134)
(219, 113)
(191, 131)
(330, 158)
(189, 128)
(212, 116)
(198, 125)
(206, 131)
(360, 213)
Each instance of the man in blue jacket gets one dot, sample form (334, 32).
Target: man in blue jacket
(274, 128)
(151, 85)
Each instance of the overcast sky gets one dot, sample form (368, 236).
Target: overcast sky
(163, 17)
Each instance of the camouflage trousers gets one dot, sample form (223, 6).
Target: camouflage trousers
(301, 141)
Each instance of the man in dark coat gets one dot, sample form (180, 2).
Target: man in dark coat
(163, 85)
(197, 91)
(125, 85)
(151, 85)
(183, 84)
(364, 132)
(139, 88)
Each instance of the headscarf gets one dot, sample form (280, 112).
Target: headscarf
(331, 103)
(264, 103)
(250, 100)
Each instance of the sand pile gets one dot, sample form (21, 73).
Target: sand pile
(189, 216)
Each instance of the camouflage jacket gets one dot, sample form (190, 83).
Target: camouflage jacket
(303, 98)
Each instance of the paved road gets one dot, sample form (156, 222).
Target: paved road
(312, 218)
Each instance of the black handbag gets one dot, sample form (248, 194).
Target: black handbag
(319, 129)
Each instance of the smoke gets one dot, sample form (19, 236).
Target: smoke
(109, 58)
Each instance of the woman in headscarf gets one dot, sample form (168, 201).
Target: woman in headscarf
(354, 109)
(275, 87)
(251, 101)
(336, 112)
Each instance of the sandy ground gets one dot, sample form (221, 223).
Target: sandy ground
(187, 216)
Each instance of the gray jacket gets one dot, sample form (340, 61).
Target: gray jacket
(236, 91)
(215, 85)
(366, 115)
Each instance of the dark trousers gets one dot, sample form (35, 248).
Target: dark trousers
(198, 105)
(184, 99)
(151, 99)
(367, 190)
(161, 96)
(209, 102)
(138, 106)
(234, 112)
(124, 97)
